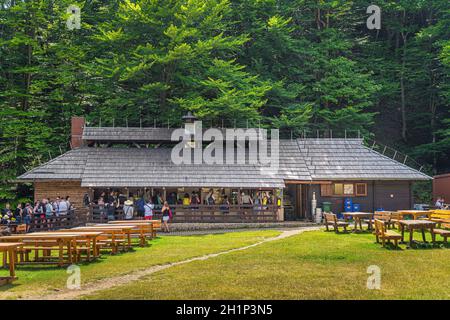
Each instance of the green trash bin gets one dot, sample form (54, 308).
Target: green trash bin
(326, 206)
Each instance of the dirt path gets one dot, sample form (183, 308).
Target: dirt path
(108, 283)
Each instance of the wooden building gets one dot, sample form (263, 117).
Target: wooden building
(441, 187)
(137, 161)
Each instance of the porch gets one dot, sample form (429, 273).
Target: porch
(200, 213)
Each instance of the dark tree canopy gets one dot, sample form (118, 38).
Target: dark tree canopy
(291, 64)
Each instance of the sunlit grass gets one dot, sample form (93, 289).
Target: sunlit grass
(312, 265)
(33, 279)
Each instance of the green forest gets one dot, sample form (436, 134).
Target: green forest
(289, 64)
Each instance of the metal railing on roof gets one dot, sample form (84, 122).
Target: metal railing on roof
(284, 133)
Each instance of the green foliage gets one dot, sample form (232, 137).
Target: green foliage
(289, 64)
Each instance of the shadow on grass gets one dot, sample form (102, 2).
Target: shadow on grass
(417, 245)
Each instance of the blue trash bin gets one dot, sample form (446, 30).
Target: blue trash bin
(356, 207)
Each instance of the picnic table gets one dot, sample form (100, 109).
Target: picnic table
(419, 225)
(415, 213)
(87, 237)
(46, 242)
(156, 224)
(115, 231)
(358, 217)
(9, 251)
(142, 230)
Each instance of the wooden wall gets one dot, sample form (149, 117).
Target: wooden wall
(53, 189)
(441, 187)
(393, 195)
(389, 195)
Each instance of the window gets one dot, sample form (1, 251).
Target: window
(344, 189)
(361, 189)
(348, 189)
(326, 190)
(338, 189)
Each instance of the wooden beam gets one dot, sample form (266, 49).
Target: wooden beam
(306, 182)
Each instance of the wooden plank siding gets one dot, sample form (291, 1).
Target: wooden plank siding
(378, 196)
(53, 189)
(441, 187)
(393, 195)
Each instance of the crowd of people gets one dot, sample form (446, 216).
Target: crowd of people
(146, 205)
(45, 208)
(142, 207)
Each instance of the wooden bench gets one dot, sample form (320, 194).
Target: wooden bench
(383, 216)
(143, 230)
(383, 234)
(156, 225)
(331, 220)
(443, 233)
(120, 234)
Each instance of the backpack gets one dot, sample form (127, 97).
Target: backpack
(140, 204)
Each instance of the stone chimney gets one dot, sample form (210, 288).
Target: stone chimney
(77, 132)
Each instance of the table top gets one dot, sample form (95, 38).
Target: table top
(357, 213)
(70, 232)
(414, 211)
(37, 236)
(132, 222)
(105, 228)
(416, 222)
(8, 245)
(137, 225)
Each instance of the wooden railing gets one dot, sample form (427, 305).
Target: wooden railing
(72, 219)
(197, 213)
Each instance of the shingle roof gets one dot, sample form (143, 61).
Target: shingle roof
(69, 166)
(126, 134)
(118, 167)
(350, 159)
(301, 159)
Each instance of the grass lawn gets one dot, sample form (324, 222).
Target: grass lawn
(35, 279)
(312, 265)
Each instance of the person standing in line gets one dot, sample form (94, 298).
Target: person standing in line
(28, 215)
(186, 200)
(18, 214)
(128, 209)
(55, 205)
(62, 207)
(166, 215)
(210, 199)
(148, 210)
(69, 203)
